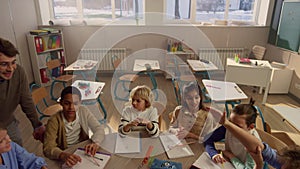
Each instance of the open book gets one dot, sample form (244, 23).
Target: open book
(204, 162)
(99, 161)
(128, 143)
(174, 147)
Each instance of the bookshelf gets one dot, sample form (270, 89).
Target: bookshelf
(44, 47)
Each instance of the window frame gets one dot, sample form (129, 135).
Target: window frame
(259, 17)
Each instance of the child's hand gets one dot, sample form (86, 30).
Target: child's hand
(224, 120)
(257, 157)
(91, 149)
(182, 133)
(70, 159)
(143, 121)
(228, 154)
(218, 158)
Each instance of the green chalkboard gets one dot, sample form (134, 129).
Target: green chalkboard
(288, 35)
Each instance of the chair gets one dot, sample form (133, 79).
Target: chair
(290, 139)
(261, 123)
(182, 75)
(257, 52)
(54, 66)
(272, 141)
(39, 96)
(160, 110)
(122, 78)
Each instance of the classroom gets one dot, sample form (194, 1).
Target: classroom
(235, 50)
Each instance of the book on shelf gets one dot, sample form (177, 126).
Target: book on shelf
(51, 30)
(39, 45)
(38, 32)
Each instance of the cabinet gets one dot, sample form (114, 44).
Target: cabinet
(176, 62)
(43, 48)
(281, 79)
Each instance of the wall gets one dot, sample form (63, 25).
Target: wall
(17, 18)
(76, 36)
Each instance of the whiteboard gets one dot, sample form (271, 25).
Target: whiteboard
(288, 35)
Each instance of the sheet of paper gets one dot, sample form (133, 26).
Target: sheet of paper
(91, 162)
(174, 147)
(204, 162)
(128, 144)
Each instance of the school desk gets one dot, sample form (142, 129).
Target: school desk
(90, 92)
(135, 159)
(256, 73)
(221, 91)
(83, 67)
(202, 67)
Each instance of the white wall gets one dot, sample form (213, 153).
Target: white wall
(17, 18)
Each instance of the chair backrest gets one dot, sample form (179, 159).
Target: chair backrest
(39, 94)
(260, 121)
(160, 110)
(115, 61)
(53, 64)
(272, 141)
(258, 52)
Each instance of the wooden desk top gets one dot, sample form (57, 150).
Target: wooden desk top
(129, 161)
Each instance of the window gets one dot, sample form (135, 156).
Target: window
(91, 9)
(175, 11)
(178, 9)
(208, 10)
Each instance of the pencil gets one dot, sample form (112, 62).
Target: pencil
(93, 158)
(222, 162)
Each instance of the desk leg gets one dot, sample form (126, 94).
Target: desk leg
(266, 94)
(103, 108)
(260, 89)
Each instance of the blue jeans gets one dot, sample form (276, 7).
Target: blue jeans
(14, 132)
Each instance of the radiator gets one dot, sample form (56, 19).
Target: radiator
(103, 55)
(218, 56)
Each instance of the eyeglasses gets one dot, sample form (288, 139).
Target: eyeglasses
(4, 65)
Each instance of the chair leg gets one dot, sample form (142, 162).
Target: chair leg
(51, 90)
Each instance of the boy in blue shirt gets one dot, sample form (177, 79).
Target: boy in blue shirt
(14, 156)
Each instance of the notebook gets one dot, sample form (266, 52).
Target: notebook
(128, 144)
(174, 147)
(99, 161)
(205, 162)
